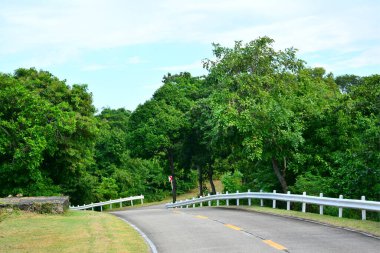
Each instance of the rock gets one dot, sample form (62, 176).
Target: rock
(53, 205)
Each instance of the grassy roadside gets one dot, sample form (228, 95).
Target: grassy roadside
(370, 227)
(189, 195)
(168, 199)
(75, 231)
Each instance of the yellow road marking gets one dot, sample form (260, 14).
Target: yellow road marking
(201, 217)
(232, 227)
(274, 245)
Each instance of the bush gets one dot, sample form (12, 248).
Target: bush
(232, 182)
(311, 184)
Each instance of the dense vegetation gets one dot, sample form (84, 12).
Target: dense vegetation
(260, 119)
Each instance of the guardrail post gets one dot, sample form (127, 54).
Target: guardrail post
(340, 208)
(261, 200)
(217, 201)
(187, 206)
(274, 201)
(92, 208)
(237, 200)
(227, 200)
(131, 202)
(209, 202)
(249, 199)
(303, 203)
(110, 205)
(180, 205)
(101, 208)
(364, 214)
(142, 200)
(288, 202)
(194, 203)
(321, 206)
(201, 204)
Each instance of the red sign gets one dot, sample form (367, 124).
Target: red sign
(170, 178)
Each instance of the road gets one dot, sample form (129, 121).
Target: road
(229, 230)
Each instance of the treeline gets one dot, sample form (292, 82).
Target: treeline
(260, 119)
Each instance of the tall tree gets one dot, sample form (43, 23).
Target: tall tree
(261, 101)
(343, 144)
(158, 126)
(48, 134)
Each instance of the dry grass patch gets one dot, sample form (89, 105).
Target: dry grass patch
(194, 193)
(75, 231)
(189, 195)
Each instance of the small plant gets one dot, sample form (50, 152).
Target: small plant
(232, 182)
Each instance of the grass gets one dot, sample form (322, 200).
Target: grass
(74, 231)
(168, 199)
(370, 227)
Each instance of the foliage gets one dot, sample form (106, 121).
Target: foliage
(159, 126)
(232, 182)
(119, 174)
(261, 107)
(47, 132)
(260, 117)
(313, 184)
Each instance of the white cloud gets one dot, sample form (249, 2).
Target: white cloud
(369, 58)
(96, 67)
(50, 57)
(152, 87)
(55, 28)
(195, 66)
(117, 64)
(134, 60)
(103, 24)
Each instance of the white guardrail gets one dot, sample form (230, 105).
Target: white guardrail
(304, 199)
(109, 202)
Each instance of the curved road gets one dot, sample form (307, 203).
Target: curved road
(230, 230)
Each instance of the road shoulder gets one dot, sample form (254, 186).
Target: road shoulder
(329, 221)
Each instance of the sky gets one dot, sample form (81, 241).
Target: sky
(123, 48)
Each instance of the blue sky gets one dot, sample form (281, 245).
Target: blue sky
(123, 48)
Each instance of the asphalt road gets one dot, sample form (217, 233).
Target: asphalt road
(228, 230)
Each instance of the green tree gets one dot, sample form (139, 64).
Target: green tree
(47, 135)
(343, 145)
(115, 167)
(159, 125)
(261, 102)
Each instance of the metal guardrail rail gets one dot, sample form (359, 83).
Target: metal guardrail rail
(109, 202)
(304, 199)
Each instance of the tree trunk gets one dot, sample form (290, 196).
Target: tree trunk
(210, 174)
(280, 176)
(200, 180)
(174, 181)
